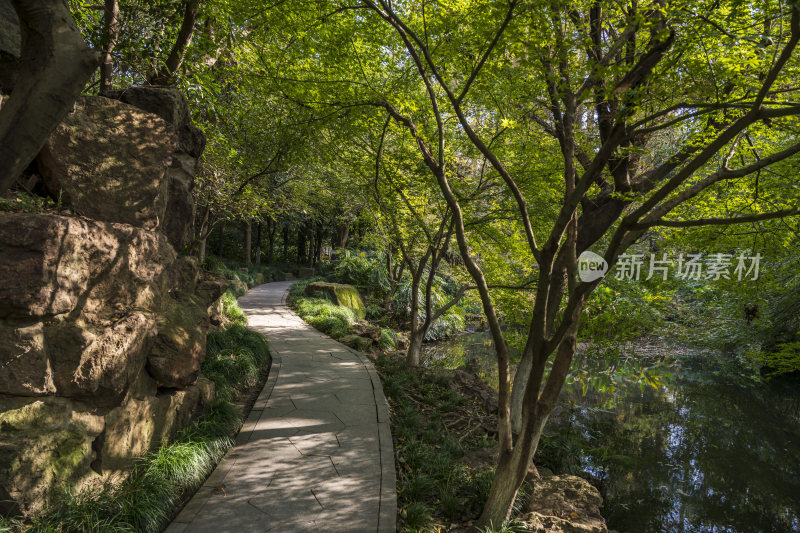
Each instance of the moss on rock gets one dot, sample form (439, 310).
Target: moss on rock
(339, 294)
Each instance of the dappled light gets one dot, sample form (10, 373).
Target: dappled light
(425, 266)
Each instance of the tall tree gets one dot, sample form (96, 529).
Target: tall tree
(569, 111)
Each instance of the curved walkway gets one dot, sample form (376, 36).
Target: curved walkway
(315, 454)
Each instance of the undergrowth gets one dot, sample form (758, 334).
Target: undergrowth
(146, 500)
(322, 314)
(435, 485)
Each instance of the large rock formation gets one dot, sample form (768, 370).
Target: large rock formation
(170, 106)
(9, 46)
(564, 504)
(102, 322)
(131, 160)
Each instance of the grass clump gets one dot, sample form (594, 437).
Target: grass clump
(321, 313)
(146, 500)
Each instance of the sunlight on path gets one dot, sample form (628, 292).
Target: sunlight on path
(315, 454)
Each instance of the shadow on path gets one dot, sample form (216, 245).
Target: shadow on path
(315, 454)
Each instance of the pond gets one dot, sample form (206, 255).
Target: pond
(695, 454)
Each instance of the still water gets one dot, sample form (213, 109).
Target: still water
(697, 454)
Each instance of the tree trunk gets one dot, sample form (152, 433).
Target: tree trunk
(54, 65)
(301, 245)
(258, 243)
(201, 249)
(342, 234)
(556, 291)
(318, 244)
(182, 42)
(221, 242)
(513, 466)
(416, 334)
(248, 242)
(111, 34)
(415, 338)
(271, 241)
(509, 475)
(286, 245)
(310, 247)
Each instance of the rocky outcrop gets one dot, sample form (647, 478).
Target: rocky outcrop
(9, 46)
(45, 444)
(80, 299)
(102, 322)
(131, 160)
(170, 105)
(107, 160)
(339, 294)
(564, 504)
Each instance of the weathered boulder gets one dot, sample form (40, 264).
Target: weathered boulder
(108, 161)
(238, 287)
(102, 325)
(365, 329)
(54, 265)
(564, 504)
(79, 300)
(179, 215)
(169, 104)
(26, 368)
(9, 45)
(180, 345)
(44, 444)
(99, 363)
(144, 421)
(339, 294)
(306, 272)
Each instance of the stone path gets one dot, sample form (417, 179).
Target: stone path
(315, 453)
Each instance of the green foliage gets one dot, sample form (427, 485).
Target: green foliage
(335, 320)
(148, 497)
(22, 202)
(450, 323)
(388, 340)
(364, 270)
(234, 359)
(231, 309)
(783, 359)
(250, 274)
(321, 313)
(623, 310)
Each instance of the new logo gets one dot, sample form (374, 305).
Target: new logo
(591, 266)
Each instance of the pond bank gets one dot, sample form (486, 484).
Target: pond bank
(662, 456)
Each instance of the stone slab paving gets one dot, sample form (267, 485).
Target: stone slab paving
(315, 454)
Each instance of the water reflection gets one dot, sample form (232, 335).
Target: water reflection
(696, 455)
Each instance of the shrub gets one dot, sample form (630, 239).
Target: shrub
(367, 271)
(388, 339)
